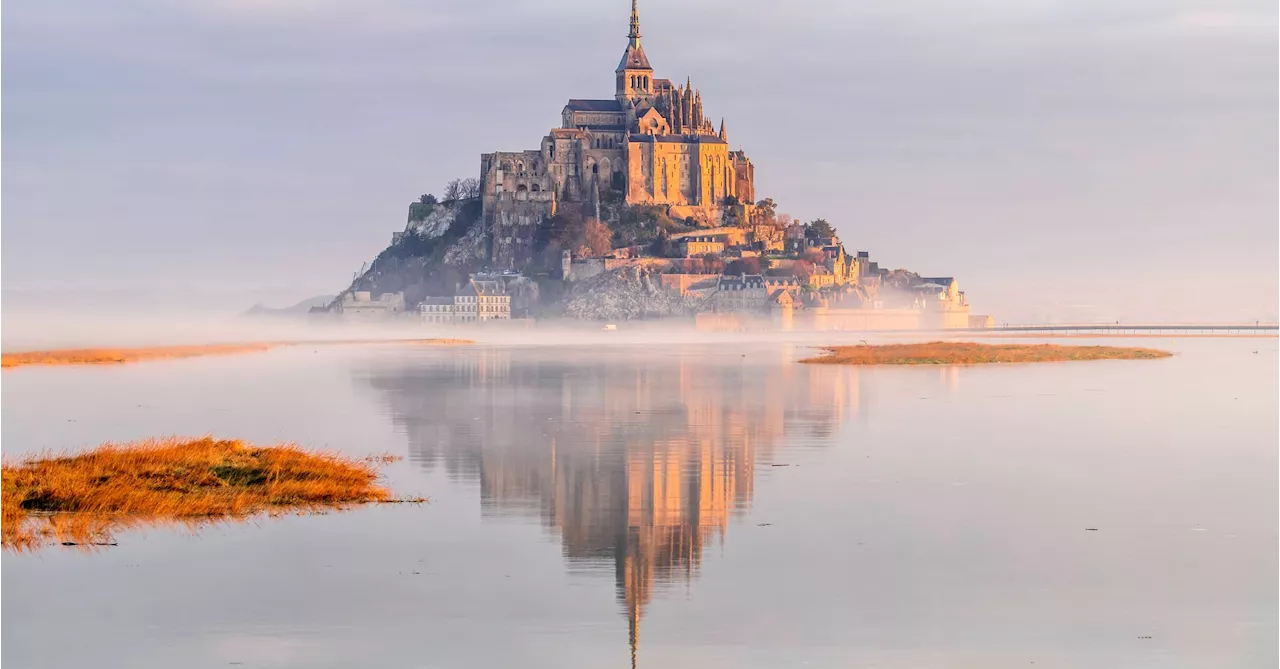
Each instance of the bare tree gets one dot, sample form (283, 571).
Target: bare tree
(452, 190)
(469, 188)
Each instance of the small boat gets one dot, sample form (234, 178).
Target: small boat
(610, 327)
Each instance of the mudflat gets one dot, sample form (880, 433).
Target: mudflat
(969, 353)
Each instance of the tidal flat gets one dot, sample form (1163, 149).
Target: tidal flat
(969, 353)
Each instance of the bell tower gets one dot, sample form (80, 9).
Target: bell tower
(635, 76)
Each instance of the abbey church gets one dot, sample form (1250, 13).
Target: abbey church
(653, 142)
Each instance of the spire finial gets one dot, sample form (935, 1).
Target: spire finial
(635, 21)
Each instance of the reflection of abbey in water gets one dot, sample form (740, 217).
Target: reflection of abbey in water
(634, 462)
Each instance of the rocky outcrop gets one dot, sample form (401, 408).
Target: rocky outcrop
(628, 293)
(436, 223)
(469, 251)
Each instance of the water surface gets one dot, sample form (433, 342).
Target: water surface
(696, 505)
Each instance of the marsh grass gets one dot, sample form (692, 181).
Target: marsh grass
(110, 356)
(85, 498)
(969, 353)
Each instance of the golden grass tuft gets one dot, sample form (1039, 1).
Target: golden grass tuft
(84, 498)
(110, 356)
(969, 353)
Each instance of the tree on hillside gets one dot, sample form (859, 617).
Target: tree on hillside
(819, 228)
(469, 188)
(461, 189)
(568, 231)
(453, 190)
(753, 265)
(662, 246)
(766, 209)
(802, 269)
(596, 238)
(707, 263)
(428, 199)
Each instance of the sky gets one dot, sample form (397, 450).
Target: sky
(1071, 160)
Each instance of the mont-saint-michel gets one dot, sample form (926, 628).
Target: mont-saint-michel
(636, 206)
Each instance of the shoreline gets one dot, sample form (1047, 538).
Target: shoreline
(120, 355)
(971, 353)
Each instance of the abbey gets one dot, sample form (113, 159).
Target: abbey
(653, 142)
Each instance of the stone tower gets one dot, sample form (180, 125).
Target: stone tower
(635, 76)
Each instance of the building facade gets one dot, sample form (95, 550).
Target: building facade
(702, 244)
(653, 142)
(362, 304)
(477, 302)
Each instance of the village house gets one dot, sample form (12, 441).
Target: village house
(701, 244)
(746, 292)
(362, 304)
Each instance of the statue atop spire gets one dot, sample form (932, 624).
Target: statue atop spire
(635, 22)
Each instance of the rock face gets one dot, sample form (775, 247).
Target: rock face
(436, 223)
(627, 293)
(514, 226)
(470, 250)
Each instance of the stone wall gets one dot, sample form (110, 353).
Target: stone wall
(580, 270)
(681, 283)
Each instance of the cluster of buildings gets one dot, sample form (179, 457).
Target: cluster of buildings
(653, 144)
(482, 299)
(838, 291)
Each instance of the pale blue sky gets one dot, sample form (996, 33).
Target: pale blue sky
(1077, 158)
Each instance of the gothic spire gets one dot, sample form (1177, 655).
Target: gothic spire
(633, 58)
(723, 135)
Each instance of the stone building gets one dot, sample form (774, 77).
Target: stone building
(478, 301)
(746, 292)
(362, 304)
(653, 142)
(700, 244)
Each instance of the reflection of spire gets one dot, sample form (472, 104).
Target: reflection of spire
(633, 622)
(640, 461)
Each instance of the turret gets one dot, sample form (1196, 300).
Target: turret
(677, 102)
(686, 109)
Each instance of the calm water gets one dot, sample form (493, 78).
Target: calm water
(696, 506)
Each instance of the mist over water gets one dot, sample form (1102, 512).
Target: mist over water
(691, 504)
